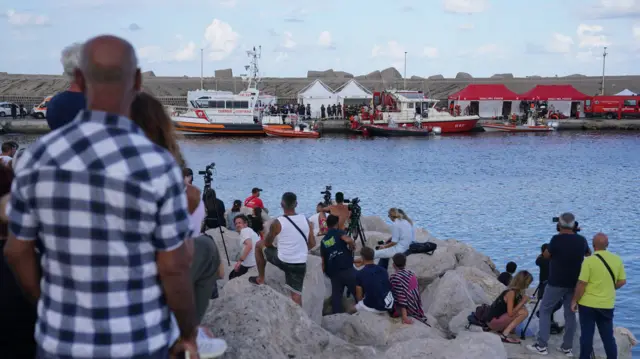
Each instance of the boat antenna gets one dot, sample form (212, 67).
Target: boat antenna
(253, 76)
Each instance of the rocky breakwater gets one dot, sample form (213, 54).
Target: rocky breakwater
(262, 322)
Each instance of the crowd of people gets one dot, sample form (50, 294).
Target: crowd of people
(304, 111)
(106, 252)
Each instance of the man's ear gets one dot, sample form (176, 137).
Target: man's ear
(137, 84)
(79, 80)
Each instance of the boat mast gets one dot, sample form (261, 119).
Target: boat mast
(253, 75)
(201, 69)
(604, 59)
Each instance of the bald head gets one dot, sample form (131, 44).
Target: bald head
(108, 74)
(600, 242)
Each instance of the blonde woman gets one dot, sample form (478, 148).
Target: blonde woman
(402, 236)
(508, 310)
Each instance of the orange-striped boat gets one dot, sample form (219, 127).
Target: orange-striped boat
(278, 131)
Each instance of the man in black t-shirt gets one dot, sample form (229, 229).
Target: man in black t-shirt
(337, 262)
(566, 251)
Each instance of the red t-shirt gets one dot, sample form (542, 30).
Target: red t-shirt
(253, 202)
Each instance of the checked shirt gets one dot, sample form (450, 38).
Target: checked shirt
(101, 200)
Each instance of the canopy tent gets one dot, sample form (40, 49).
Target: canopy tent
(626, 92)
(561, 97)
(352, 92)
(491, 99)
(317, 94)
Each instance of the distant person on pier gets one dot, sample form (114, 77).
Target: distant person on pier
(334, 110)
(295, 239)
(601, 275)
(14, 111)
(322, 112)
(64, 106)
(505, 277)
(22, 111)
(308, 111)
(340, 111)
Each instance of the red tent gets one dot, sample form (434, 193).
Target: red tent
(476, 92)
(554, 93)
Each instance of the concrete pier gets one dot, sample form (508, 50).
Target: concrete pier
(27, 125)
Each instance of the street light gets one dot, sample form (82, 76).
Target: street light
(604, 58)
(405, 70)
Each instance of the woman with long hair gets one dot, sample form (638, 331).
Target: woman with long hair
(508, 310)
(402, 235)
(149, 114)
(231, 214)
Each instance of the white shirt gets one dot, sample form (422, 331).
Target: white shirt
(402, 233)
(5, 159)
(292, 247)
(196, 218)
(315, 220)
(249, 234)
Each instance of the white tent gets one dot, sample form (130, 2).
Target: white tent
(317, 94)
(352, 92)
(626, 92)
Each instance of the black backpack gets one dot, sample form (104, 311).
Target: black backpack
(426, 247)
(480, 317)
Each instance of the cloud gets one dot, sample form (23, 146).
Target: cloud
(288, 42)
(187, 53)
(324, 40)
(220, 39)
(465, 6)
(134, 27)
(226, 3)
(559, 44)
(430, 52)
(590, 36)
(615, 9)
(15, 18)
(282, 56)
(466, 27)
(296, 16)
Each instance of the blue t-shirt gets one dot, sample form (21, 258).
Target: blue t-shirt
(335, 252)
(64, 107)
(567, 253)
(375, 284)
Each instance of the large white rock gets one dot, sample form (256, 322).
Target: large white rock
(469, 257)
(485, 287)
(377, 330)
(469, 345)
(258, 323)
(447, 297)
(231, 241)
(429, 267)
(374, 224)
(313, 290)
(418, 349)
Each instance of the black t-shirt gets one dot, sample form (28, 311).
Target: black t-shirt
(336, 253)
(374, 281)
(567, 253)
(505, 278)
(543, 263)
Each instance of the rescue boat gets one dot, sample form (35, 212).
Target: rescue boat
(395, 131)
(532, 125)
(278, 131)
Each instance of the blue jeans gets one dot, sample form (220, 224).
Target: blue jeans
(603, 318)
(553, 296)
(345, 278)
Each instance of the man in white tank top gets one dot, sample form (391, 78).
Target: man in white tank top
(295, 239)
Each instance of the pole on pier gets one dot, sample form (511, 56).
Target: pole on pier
(604, 58)
(405, 70)
(201, 69)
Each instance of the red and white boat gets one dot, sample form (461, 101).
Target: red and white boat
(295, 132)
(409, 108)
(532, 125)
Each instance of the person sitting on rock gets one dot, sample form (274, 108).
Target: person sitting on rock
(402, 235)
(232, 213)
(295, 239)
(406, 294)
(373, 289)
(319, 220)
(337, 262)
(508, 310)
(248, 240)
(505, 277)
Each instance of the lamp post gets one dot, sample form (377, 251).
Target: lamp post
(201, 69)
(604, 60)
(405, 70)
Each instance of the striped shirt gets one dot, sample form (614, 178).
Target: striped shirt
(101, 200)
(404, 285)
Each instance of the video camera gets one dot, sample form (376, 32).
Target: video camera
(327, 195)
(576, 225)
(208, 174)
(354, 207)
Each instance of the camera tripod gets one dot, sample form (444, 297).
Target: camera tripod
(355, 231)
(208, 179)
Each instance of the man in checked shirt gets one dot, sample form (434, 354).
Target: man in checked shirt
(108, 210)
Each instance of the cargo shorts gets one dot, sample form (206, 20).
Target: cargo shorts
(293, 273)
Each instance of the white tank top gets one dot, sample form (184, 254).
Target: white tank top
(292, 247)
(196, 219)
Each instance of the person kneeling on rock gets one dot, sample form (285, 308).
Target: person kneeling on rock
(406, 294)
(373, 289)
(337, 262)
(508, 310)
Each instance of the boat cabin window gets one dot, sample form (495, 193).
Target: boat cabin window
(630, 103)
(239, 104)
(216, 104)
(410, 105)
(587, 102)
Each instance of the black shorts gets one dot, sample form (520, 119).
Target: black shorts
(240, 272)
(293, 273)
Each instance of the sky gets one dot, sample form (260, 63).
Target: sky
(481, 37)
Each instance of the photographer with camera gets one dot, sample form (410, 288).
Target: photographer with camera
(402, 235)
(340, 210)
(566, 252)
(215, 210)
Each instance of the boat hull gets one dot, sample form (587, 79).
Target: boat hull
(223, 129)
(386, 131)
(513, 128)
(278, 131)
(446, 126)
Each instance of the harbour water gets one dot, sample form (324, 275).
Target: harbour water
(498, 192)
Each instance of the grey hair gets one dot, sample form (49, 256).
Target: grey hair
(567, 220)
(70, 58)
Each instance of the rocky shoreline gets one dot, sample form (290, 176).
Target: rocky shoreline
(262, 322)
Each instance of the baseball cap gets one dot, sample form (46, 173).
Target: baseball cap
(256, 190)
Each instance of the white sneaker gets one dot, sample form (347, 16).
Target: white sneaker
(538, 349)
(208, 346)
(567, 352)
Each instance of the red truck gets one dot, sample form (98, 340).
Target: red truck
(618, 107)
